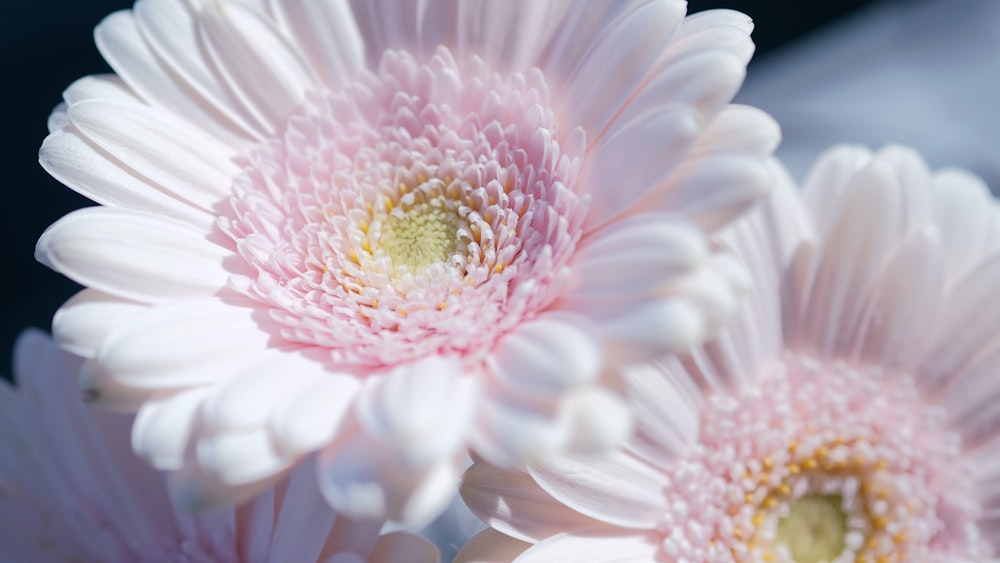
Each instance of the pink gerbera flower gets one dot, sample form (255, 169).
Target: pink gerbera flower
(850, 414)
(386, 231)
(71, 490)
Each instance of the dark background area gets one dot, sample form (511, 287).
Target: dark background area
(48, 44)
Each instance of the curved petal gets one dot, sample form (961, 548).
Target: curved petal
(82, 323)
(158, 146)
(327, 34)
(164, 430)
(547, 355)
(240, 457)
(490, 546)
(617, 488)
(194, 342)
(510, 502)
(310, 417)
(422, 410)
(594, 547)
(364, 479)
(260, 67)
(164, 65)
(625, 166)
(132, 255)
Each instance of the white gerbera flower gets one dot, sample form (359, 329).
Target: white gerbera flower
(850, 414)
(387, 231)
(71, 490)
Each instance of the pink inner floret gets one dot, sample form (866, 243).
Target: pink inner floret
(426, 208)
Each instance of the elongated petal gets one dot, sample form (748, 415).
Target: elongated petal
(83, 322)
(134, 255)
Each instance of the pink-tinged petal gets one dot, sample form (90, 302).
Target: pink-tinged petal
(186, 161)
(423, 411)
(902, 305)
(327, 35)
(490, 546)
(510, 501)
(688, 81)
(638, 36)
(867, 224)
(175, 75)
(547, 355)
(350, 540)
(248, 398)
(594, 547)
(100, 389)
(507, 35)
(616, 488)
(828, 178)
(728, 30)
(400, 546)
(194, 342)
(134, 255)
(83, 322)
(310, 417)
(364, 479)
(81, 166)
(625, 166)
(666, 412)
(964, 327)
(164, 429)
(262, 70)
(306, 520)
(632, 260)
(510, 431)
(240, 457)
(970, 400)
(965, 213)
(598, 420)
(392, 24)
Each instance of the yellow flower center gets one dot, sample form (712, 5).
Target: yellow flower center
(814, 529)
(422, 235)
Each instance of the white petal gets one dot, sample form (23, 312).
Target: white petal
(666, 415)
(617, 488)
(196, 490)
(303, 521)
(547, 355)
(175, 75)
(511, 431)
(647, 331)
(507, 35)
(99, 87)
(633, 259)
(594, 547)
(328, 35)
(364, 480)
(827, 179)
(965, 213)
(240, 457)
(133, 255)
(632, 162)
(83, 322)
(510, 501)
(423, 410)
(601, 85)
(171, 153)
(310, 418)
(186, 343)
(715, 29)
(92, 173)
(490, 546)
(164, 429)
(598, 421)
(259, 66)
(706, 81)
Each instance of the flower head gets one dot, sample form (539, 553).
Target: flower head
(71, 490)
(845, 416)
(384, 232)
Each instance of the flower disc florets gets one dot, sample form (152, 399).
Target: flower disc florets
(423, 209)
(821, 462)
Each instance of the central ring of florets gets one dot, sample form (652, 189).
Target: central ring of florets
(821, 463)
(427, 208)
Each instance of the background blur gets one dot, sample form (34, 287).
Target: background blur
(922, 72)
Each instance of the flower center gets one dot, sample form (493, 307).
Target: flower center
(814, 529)
(423, 235)
(425, 209)
(824, 463)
